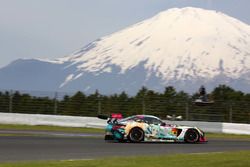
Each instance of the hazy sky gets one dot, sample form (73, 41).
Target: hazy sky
(55, 28)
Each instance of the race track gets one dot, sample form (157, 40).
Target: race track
(25, 148)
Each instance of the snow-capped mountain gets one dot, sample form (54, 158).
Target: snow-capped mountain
(184, 48)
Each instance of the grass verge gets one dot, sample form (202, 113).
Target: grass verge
(227, 136)
(228, 159)
(50, 128)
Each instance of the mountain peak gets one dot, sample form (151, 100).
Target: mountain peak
(176, 37)
(185, 47)
(184, 10)
(176, 44)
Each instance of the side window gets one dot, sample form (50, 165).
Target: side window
(152, 120)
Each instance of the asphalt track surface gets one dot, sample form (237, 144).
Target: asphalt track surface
(26, 148)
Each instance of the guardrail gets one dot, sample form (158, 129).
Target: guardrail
(75, 121)
(51, 120)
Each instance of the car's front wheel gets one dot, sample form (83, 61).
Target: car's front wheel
(192, 136)
(136, 135)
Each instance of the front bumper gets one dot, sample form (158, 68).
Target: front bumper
(202, 139)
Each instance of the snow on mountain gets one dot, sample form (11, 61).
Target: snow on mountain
(176, 44)
(181, 47)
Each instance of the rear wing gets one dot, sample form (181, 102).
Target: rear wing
(116, 116)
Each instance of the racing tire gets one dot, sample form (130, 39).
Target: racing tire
(136, 135)
(192, 136)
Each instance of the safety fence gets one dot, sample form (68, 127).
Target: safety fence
(172, 107)
(94, 122)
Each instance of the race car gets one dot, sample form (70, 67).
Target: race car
(143, 128)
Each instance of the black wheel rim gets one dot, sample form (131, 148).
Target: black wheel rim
(192, 136)
(136, 135)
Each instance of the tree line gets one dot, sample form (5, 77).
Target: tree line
(229, 105)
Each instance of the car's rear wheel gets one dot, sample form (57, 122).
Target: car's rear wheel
(192, 136)
(136, 135)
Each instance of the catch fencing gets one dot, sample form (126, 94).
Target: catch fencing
(79, 104)
(93, 122)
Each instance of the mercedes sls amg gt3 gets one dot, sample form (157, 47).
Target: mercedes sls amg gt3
(143, 128)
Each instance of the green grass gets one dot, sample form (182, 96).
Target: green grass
(226, 136)
(50, 128)
(229, 159)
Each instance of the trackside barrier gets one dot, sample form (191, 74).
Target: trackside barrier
(213, 127)
(52, 120)
(92, 122)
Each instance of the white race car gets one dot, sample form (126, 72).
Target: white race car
(141, 128)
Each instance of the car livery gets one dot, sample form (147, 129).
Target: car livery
(141, 128)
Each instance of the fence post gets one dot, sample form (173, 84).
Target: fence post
(55, 103)
(187, 112)
(143, 106)
(230, 113)
(99, 106)
(11, 101)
